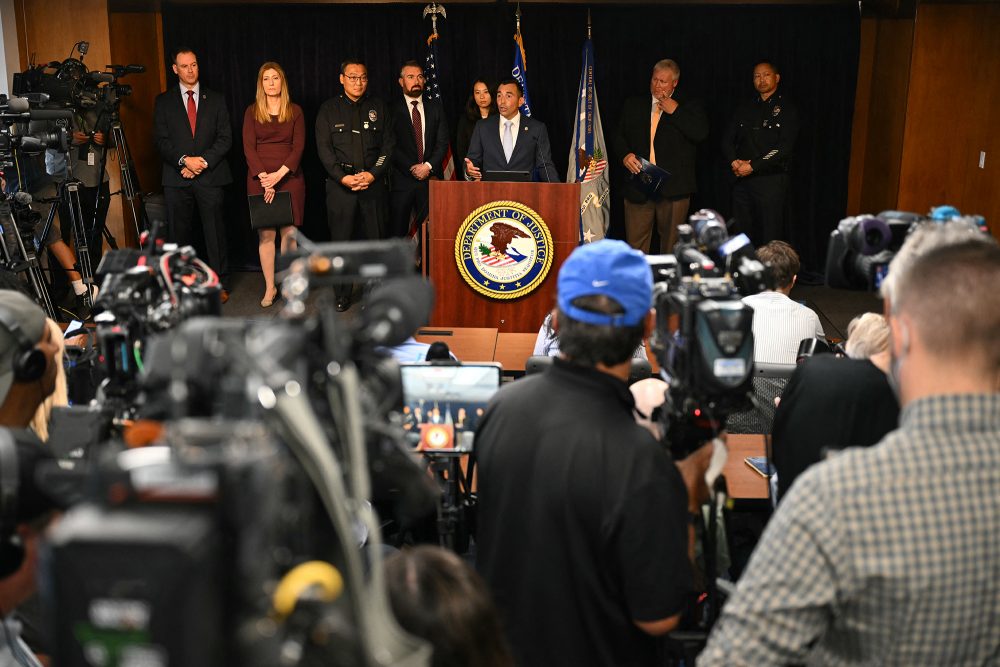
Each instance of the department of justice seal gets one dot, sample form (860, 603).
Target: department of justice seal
(503, 250)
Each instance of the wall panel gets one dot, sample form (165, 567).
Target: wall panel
(952, 111)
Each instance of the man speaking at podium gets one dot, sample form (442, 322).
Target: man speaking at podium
(511, 146)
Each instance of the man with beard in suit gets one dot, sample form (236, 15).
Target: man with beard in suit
(421, 143)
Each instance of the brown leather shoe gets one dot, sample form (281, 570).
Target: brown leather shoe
(224, 296)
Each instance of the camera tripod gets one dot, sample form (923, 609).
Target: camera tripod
(456, 499)
(130, 189)
(69, 194)
(27, 263)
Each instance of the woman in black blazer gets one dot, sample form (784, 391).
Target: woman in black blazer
(479, 105)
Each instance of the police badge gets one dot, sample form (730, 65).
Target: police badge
(372, 116)
(776, 111)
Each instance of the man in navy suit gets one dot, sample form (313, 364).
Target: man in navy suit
(510, 141)
(421, 143)
(193, 135)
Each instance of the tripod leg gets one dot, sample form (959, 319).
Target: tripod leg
(71, 195)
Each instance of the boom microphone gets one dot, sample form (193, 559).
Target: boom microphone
(395, 310)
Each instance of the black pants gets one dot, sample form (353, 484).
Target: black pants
(181, 204)
(346, 211)
(409, 199)
(759, 206)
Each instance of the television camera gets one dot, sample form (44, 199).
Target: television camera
(861, 247)
(70, 85)
(704, 338)
(235, 537)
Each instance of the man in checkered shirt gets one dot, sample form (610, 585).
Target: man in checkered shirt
(889, 555)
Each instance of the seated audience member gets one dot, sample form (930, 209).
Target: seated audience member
(780, 324)
(831, 403)
(583, 520)
(412, 351)
(27, 379)
(886, 555)
(437, 597)
(547, 342)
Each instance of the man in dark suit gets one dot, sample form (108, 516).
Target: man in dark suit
(664, 129)
(510, 141)
(193, 136)
(421, 143)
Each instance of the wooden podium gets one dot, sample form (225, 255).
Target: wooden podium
(459, 305)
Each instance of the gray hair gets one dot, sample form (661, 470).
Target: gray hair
(669, 64)
(867, 335)
(926, 236)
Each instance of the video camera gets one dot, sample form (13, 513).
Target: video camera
(234, 539)
(15, 114)
(704, 336)
(861, 247)
(70, 85)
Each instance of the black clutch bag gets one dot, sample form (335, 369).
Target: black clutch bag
(276, 214)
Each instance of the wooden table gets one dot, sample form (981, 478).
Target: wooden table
(467, 343)
(513, 350)
(742, 482)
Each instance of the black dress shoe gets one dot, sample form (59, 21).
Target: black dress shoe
(343, 303)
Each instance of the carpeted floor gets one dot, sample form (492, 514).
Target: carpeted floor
(836, 307)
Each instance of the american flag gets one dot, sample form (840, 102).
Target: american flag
(433, 92)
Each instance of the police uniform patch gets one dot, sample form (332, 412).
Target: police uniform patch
(372, 115)
(503, 250)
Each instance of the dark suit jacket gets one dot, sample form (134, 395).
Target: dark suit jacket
(675, 141)
(212, 140)
(531, 149)
(435, 140)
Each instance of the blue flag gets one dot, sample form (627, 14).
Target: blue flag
(520, 71)
(588, 156)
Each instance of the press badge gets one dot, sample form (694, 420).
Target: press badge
(91, 158)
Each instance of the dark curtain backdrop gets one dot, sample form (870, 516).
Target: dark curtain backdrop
(816, 48)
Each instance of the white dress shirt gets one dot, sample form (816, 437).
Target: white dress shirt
(197, 94)
(423, 121)
(514, 127)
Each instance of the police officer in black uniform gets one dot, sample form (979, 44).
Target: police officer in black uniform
(355, 141)
(758, 146)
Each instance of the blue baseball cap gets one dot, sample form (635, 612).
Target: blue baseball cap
(612, 269)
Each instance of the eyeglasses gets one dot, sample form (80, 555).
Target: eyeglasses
(357, 79)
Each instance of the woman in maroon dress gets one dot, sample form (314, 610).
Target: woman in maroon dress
(274, 135)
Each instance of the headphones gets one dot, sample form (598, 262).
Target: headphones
(29, 362)
(11, 548)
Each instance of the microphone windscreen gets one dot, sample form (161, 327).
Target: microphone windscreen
(396, 309)
(17, 105)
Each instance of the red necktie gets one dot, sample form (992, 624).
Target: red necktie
(418, 132)
(192, 111)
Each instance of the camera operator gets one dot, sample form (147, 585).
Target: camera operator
(88, 144)
(584, 520)
(886, 555)
(27, 377)
(31, 177)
